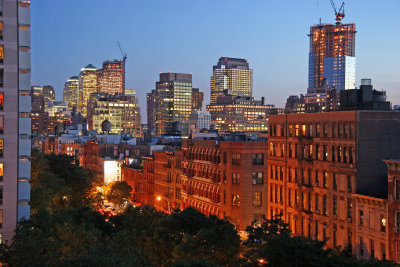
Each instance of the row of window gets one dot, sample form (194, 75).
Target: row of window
(257, 199)
(337, 130)
(256, 178)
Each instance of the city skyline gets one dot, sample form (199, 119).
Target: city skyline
(198, 43)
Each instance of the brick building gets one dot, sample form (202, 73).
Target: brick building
(318, 162)
(226, 178)
(393, 167)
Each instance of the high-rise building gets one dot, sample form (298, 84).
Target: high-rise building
(151, 110)
(71, 92)
(112, 77)
(240, 113)
(88, 84)
(332, 56)
(15, 123)
(197, 98)
(49, 95)
(231, 74)
(199, 119)
(174, 103)
(122, 111)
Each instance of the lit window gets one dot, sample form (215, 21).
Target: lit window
(1, 101)
(1, 30)
(257, 198)
(1, 53)
(1, 124)
(1, 171)
(236, 200)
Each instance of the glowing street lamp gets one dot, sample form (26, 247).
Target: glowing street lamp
(159, 198)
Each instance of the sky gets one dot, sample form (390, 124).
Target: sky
(190, 36)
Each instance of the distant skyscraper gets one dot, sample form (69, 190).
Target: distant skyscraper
(233, 74)
(197, 98)
(332, 56)
(49, 95)
(88, 84)
(151, 110)
(15, 123)
(174, 102)
(71, 92)
(112, 77)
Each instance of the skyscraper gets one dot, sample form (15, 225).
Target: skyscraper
(174, 103)
(15, 124)
(71, 92)
(332, 56)
(88, 84)
(48, 94)
(151, 110)
(112, 77)
(197, 98)
(231, 74)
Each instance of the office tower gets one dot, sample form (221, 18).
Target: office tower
(332, 56)
(174, 103)
(71, 92)
(200, 119)
(231, 74)
(15, 124)
(112, 77)
(320, 163)
(121, 110)
(37, 98)
(48, 94)
(88, 84)
(239, 113)
(151, 110)
(197, 98)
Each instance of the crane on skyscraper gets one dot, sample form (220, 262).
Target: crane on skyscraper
(124, 55)
(338, 13)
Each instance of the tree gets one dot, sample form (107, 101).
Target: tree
(119, 192)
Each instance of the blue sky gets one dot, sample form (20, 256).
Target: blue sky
(190, 35)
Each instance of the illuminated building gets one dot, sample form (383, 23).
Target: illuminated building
(112, 77)
(231, 74)
(121, 110)
(239, 113)
(174, 103)
(324, 166)
(332, 56)
(88, 84)
(71, 92)
(15, 123)
(197, 98)
(199, 120)
(48, 94)
(151, 110)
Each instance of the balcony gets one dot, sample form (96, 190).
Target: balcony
(24, 81)
(24, 37)
(24, 168)
(24, 147)
(24, 103)
(25, 126)
(24, 59)
(24, 15)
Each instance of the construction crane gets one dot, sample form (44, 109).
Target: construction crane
(124, 55)
(338, 13)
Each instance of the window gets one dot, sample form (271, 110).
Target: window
(257, 178)
(289, 194)
(1, 29)
(235, 178)
(316, 203)
(361, 246)
(236, 200)
(1, 53)
(334, 236)
(349, 185)
(349, 241)
(350, 155)
(334, 205)
(397, 189)
(324, 153)
(361, 217)
(349, 209)
(1, 218)
(1, 171)
(258, 159)
(333, 154)
(372, 248)
(397, 221)
(1, 195)
(257, 198)
(309, 201)
(235, 159)
(324, 205)
(383, 251)
(318, 130)
(334, 181)
(1, 147)
(325, 179)
(1, 77)
(383, 224)
(316, 231)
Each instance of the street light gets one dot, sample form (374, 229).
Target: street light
(159, 198)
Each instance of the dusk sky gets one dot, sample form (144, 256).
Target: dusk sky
(190, 36)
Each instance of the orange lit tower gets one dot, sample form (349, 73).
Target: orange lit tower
(332, 54)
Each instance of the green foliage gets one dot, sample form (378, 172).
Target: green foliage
(58, 182)
(119, 192)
